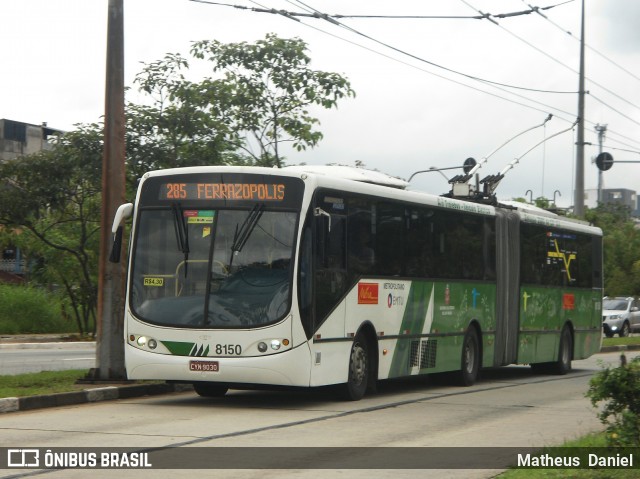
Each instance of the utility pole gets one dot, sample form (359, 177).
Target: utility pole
(578, 199)
(110, 345)
(602, 130)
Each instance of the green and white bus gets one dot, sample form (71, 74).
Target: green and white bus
(254, 277)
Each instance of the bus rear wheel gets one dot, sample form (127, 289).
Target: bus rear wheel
(562, 365)
(359, 364)
(565, 353)
(210, 390)
(470, 362)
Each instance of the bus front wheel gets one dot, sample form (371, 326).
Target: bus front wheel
(359, 364)
(210, 390)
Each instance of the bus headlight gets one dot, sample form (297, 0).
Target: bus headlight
(143, 341)
(275, 344)
(262, 347)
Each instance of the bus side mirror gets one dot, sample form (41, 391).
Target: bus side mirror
(124, 212)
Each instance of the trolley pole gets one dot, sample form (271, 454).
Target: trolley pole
(110, 327)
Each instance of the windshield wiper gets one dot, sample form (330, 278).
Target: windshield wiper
(243, 232)
(182, 233)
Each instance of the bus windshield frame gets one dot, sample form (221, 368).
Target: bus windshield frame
(215, 251)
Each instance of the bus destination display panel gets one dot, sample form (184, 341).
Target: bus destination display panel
(224, 190)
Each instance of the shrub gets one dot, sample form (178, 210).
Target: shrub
(28, 310)
(620, 389)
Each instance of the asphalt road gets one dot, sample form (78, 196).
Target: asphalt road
(19, 358)
(509, 407)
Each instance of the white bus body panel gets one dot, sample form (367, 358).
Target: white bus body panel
(289, 366)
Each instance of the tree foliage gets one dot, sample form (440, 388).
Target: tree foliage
(619, 391)
(621, 244)
(51, 201)
(257, 94)
(259, 97)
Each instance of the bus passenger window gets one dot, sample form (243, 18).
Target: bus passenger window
(361, 255)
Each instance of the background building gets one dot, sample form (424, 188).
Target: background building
(18, 139)
(613, 195)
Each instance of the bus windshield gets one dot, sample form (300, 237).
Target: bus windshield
(212, 268)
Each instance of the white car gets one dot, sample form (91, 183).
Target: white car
(620, 316)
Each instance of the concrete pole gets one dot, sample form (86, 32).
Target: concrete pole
(578, 200)
(110, 346)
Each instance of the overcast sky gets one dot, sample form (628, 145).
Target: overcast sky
(408, 114)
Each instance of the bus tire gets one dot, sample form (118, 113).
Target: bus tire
(470, 361)
(565, 353)
(210, 390)
(359, 365)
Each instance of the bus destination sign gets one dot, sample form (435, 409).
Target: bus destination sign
(223, 191)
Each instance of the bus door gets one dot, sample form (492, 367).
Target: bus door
(508, 287)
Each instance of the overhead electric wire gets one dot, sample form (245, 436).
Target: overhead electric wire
(612, 108)
(552, 57)
(329, 18)
(455, 81)
(622, 149)
(536, 10)
(264, 9)
(411, 65)
(609, 136)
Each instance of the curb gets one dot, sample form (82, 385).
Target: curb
(621, 348)
(107, 393)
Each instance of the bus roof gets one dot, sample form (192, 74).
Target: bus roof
(361, 180)
(352, 173)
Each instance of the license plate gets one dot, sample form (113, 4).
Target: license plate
(211, 366)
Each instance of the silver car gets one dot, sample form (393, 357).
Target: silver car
(620, 316)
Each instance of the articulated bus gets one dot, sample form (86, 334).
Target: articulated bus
(247, 277)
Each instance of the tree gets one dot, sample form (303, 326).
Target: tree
(262, 91)
(621, 245)
(260, 97)
(53, 199)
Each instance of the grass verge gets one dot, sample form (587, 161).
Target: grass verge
(45, 382)
(50, 382)
(628, 341)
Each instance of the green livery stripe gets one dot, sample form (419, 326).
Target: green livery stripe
(179, 348)
(412, 323)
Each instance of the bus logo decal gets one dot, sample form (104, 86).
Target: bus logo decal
(394, 301)
(367, 293)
